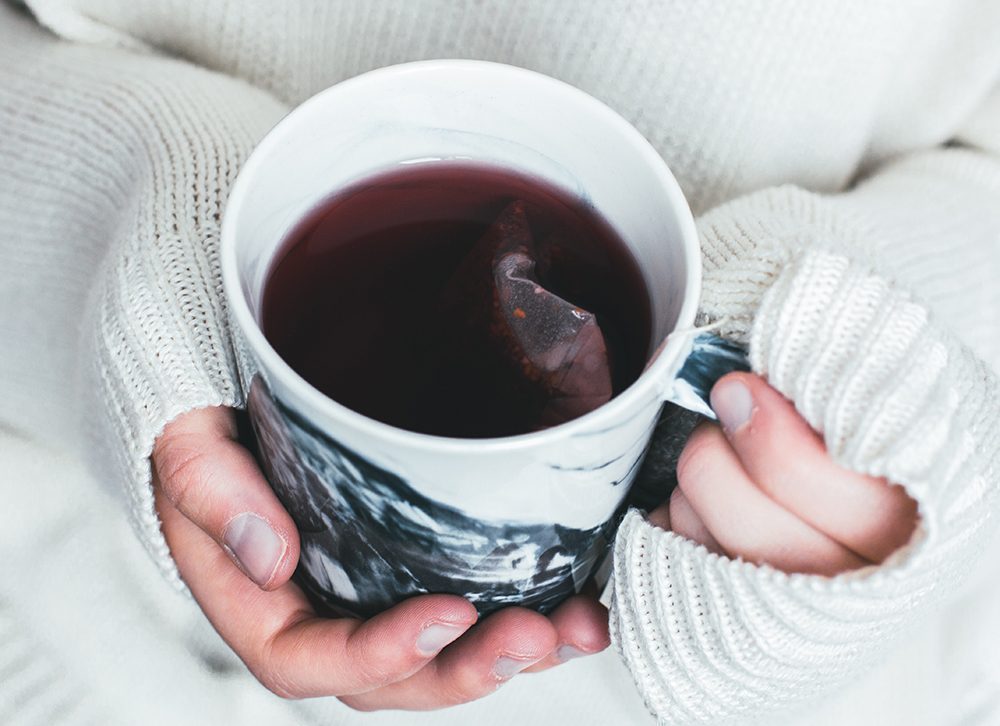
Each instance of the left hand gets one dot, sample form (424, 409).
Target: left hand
(762, 487)
(236, 548)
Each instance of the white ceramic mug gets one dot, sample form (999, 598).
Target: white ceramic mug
(386, 513)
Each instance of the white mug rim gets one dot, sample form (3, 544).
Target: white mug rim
(655, 379)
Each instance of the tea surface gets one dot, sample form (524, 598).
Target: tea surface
(353, 301)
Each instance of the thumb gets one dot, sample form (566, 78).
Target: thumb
(789, 463)
(213, 481)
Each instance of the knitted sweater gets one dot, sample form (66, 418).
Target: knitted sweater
(844, 161)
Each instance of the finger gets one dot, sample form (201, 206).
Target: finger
(744, 520)
(660, 517)
(686, 522)
(581, 625)
(503, 645)
(289, 649)
(216, 483)
(788, 461)
(678, 516)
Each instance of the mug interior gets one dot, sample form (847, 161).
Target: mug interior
(426, 113)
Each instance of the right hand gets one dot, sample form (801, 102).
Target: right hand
(761, 487)
(236, 548)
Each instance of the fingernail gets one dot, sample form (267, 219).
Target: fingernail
(506, 667)
(732, 403)
(569, 652)
(255, 547)
(436, 636)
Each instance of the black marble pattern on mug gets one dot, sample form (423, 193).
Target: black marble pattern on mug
(369, 540)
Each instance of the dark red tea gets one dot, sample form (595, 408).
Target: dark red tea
(354, 301)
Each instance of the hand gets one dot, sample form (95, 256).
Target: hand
(236, 547)
(762, 487)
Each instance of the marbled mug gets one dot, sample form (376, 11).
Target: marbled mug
(385, 513)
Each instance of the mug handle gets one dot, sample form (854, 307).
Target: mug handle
(711, 358)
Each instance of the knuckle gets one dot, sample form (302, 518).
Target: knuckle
(696, 457)
(179, 467)
(371, 664)
(277, 684)
(468, 685)
(782, 460)
(357, 704)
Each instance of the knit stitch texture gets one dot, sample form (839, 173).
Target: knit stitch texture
(871, 304)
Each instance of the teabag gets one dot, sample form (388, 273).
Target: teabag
(554, 347)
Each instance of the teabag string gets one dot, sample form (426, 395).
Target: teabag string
(556, 348)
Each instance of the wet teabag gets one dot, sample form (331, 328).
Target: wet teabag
(555, 349)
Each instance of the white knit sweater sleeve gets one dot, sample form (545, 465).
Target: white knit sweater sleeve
(116, 167)
(849, 305)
